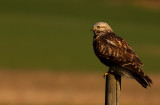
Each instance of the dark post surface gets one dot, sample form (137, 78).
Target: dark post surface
(112, 89)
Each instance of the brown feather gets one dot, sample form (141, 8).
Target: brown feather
(113, 50)
(143, 80)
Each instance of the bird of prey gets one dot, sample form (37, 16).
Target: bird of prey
(115, 52)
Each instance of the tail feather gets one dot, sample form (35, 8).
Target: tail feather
(143, 80)
(148, 80)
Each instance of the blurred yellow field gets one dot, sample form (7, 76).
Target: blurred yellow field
(50, 88)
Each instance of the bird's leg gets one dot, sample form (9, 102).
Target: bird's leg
(106, 73)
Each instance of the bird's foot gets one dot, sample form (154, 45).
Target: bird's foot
(105, 75)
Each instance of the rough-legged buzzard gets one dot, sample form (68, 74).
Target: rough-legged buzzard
(115, 52)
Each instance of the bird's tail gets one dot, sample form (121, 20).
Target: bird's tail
(145, 81)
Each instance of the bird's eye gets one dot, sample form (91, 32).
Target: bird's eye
(98, 26)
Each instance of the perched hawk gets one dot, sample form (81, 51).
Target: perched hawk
(115, 52)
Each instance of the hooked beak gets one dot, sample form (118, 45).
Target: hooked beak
(92, 29)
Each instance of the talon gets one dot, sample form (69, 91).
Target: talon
(105, 75)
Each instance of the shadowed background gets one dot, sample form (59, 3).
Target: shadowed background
(50, 42)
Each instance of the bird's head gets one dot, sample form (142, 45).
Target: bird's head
(101, 27)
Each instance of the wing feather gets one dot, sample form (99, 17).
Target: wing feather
(113, 50)
(118, 51)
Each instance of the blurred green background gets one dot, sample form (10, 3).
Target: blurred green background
(55, 34)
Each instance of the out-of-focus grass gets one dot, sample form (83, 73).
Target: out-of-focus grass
(56, 34)
(50, 88)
